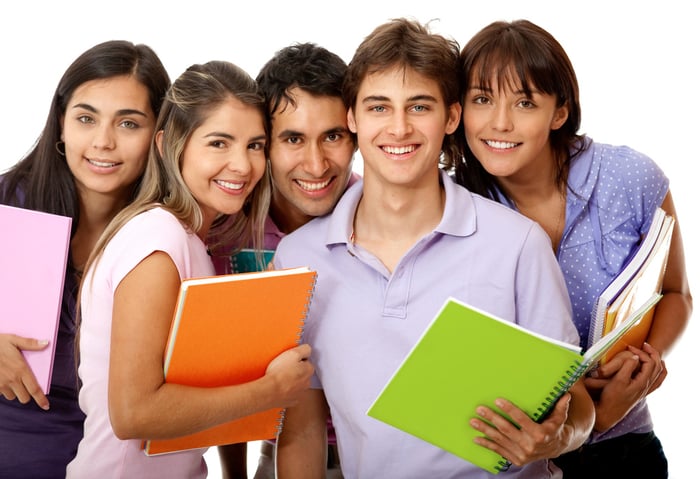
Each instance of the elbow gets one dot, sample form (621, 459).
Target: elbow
(126, 422)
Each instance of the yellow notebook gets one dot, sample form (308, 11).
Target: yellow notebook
(226, 330)
(466, 358)
(639, 279)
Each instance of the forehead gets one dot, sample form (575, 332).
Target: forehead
(120, 92)
(310, 112)
(233, 113)
(398, 83)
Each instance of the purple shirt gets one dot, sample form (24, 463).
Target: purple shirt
(363, 319)
(615, 193)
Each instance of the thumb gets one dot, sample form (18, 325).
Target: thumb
(30, 344)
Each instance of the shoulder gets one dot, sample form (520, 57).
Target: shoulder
(624, 165)
(157, 223)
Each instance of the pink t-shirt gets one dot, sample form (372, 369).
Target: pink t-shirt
(101, 453)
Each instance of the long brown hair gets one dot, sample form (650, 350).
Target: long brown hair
(523, 55)
(197, 92)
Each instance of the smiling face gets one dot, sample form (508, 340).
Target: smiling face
(508, 131)
(401, 120)
(311, 151)
(224, 158)
(107, 130)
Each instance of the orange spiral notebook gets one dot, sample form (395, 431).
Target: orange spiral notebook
(226, 330)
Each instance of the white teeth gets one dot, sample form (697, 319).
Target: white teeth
(313, 186)
(399, 150)
(501, 145)
(101, 164)
(229, 185)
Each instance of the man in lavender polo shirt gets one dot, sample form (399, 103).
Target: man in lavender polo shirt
(311, 155)
(399, 243)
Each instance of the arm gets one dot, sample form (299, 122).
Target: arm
(631, 375)
(673, 311)
(565, 428)
(17, 381)
(141, 404)
(302, 445)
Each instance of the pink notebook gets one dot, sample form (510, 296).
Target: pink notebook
(33, 257)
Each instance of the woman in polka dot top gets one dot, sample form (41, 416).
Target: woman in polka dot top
(521, 116)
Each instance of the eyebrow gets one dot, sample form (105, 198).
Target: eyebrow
(330, 131)
(421, 97)
(219, 134)
(122, 112)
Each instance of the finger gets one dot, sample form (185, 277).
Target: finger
(595, 384)
(629, 367)
(516, 414)
(304, 351)
(8, 394)
(34, 390)
(29, 344)
(613, 365)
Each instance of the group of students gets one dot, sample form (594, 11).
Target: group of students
(473, 155)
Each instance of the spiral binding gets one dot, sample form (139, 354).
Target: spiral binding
(564, 384)
(306, 307)
(503, 465)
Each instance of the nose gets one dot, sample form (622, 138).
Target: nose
(501, 119)
(240, 162)
(315, 162)
(399, 124)
(104, 138)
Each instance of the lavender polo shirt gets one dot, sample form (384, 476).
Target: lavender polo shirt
(363, 319)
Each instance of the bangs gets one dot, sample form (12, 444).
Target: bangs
(509, 67)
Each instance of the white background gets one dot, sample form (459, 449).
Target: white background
(636, 63)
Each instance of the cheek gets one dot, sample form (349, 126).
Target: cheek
(283, 162)
(258, 165)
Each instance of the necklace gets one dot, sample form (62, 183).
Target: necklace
(545, 222)
(558, 231)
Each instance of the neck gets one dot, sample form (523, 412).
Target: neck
(96, 211)
(389, 222)
(287, 218)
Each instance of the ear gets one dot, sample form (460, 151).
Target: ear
(560, 116)
(352, 125)
(159, 142)
(454, 114)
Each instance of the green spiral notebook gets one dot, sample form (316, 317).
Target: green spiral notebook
(466, 358)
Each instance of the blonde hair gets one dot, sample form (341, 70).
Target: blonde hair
(192, 96)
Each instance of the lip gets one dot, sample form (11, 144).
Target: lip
(101, 165)
(315, 187)
(501, 145)
(400, 150)
(231, 187)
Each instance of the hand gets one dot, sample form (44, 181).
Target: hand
(532, 441)
(291, 372)
(620, 384)
(17, 381)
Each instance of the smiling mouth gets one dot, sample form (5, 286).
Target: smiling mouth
(228, 185)
(101, 164)
(399, 150)
(313, 186)
(501, 145)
